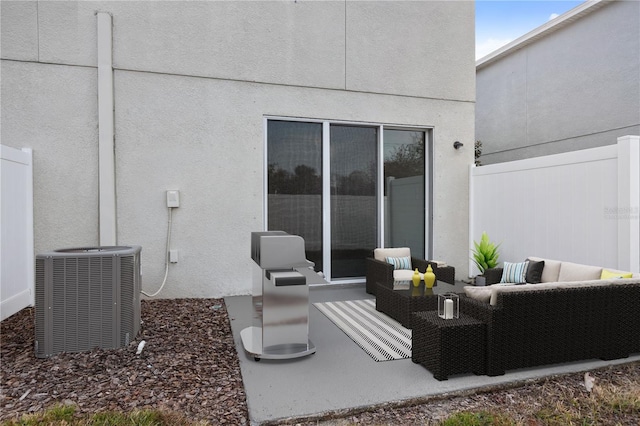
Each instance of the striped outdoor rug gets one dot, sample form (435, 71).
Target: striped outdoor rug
(381, 337)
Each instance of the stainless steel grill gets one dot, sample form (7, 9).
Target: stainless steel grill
(281, 278)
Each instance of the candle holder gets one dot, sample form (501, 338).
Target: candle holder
(448, 306)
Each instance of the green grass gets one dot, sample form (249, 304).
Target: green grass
(56, 415)
(482, 418)
(61, 415)
(607, 404)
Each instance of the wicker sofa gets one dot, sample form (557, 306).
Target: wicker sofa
(381, 271)
(556, 321)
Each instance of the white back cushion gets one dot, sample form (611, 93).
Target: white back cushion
(551, 270)
(382, 253)
(576, 272)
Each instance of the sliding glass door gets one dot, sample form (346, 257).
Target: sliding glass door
(347, 189)
(404, 189)
(294, 183)
(354, 231)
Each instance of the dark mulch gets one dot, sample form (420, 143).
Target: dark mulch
(189, 365)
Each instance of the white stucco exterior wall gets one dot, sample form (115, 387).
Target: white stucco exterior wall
(192, 84)
(574, 88)
(53, 110)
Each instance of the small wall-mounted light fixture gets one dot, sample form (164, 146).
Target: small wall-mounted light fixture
(457, 145)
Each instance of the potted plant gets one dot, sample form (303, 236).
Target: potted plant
(485, 256)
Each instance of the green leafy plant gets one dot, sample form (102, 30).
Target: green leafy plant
(485, 253)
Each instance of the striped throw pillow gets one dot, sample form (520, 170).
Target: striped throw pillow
(400, 262)
(514, 273)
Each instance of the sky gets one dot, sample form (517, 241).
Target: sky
(499, 22)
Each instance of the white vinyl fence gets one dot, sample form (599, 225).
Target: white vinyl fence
(581, 206)
(16, 238)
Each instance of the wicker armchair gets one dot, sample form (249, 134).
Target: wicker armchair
(380, 271)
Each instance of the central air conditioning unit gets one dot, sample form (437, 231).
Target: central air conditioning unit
(87, 298)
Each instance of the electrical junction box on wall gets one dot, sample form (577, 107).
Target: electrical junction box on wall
(173, 198)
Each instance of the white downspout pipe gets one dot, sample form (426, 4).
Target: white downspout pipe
(106, 148)
(472, 222)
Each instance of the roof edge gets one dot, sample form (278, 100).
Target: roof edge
(549, 27)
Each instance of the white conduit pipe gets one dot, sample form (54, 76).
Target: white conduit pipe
(106, 154)
(166, 258)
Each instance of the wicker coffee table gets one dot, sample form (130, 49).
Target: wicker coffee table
(404, 299)
(447, 347)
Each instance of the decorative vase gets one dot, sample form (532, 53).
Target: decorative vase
(429, 277)
(416, 278)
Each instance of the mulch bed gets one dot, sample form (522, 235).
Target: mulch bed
(188, 365)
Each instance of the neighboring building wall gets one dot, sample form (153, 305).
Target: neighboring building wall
(574, 88)
(193, 81)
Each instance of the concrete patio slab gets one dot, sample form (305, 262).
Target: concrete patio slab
(340, 375)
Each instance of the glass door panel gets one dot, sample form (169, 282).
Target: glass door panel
(404, 190)
(294, 181)
(353, 198)
(302, 173)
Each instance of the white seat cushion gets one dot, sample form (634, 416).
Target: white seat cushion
(504, 288)
(404, 275)
(482, 294)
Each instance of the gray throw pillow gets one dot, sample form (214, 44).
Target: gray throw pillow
(534, 272)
